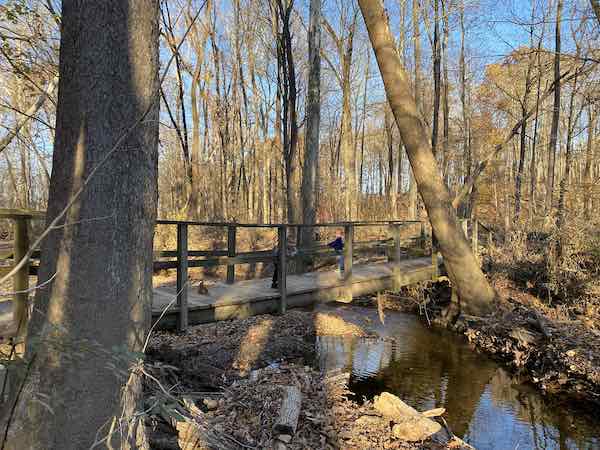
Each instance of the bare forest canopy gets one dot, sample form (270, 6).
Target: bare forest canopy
(233, 111)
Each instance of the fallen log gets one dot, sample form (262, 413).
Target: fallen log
(290, 411)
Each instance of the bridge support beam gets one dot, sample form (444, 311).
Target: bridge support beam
(182, 276)
(395, 231)
(231, 240)
(282, 276)
(21, 278)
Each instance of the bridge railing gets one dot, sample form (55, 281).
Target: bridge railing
(183, 258)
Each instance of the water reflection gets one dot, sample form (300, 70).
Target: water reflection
(430, 368)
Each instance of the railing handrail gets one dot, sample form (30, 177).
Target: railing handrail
(14, 213)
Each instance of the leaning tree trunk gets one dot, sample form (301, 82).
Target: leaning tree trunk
(94, 314)
(473, 289)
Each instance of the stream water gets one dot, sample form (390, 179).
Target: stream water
(430, 368)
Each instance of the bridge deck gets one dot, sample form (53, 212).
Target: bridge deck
(246, 298)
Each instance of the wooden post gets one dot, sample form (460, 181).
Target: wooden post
(21, 278)
(397, 249)
(423, 238)
(465, 224)
(434, 257)
(182, 276)
(348, 249)
(231, 239)
(475, 237)
(282, 243)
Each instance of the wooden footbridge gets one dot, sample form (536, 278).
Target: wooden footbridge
(404, 256)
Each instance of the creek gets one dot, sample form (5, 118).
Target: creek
(428, 368)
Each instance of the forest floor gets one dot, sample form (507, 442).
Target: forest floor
(234, 373)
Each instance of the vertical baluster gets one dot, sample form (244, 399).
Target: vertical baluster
(182, 276)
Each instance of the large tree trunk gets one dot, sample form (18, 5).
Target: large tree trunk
(474, 290)
(313, 119)
(97, 309)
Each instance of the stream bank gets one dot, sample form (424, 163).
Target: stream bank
(238, 368)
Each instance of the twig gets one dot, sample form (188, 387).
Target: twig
(26, 291)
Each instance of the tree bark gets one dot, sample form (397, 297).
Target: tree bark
(473, 289)
(436, 79)
(596, 7)
(555, 113)
(412, 190)
(313, 120)
(589, 157)
(95, 313)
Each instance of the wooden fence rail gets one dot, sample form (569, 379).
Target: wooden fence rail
(182, 258)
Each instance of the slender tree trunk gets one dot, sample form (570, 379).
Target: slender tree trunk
(100, 298)
(362, 138)
(555, 113)
(412, 190)
(445, 104)
(473, 289)
(596, 7)
(589, 157)
(436, 79)
(31, 112)
(523, 138)
(467, 157)
(313, 120)
(560, 221)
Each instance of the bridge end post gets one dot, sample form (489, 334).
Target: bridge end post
(434, 257)
(395, 229)
(21, 278)
(475, 237)
(348, 260)
(231, 241)
(282, 275)
(182, 276)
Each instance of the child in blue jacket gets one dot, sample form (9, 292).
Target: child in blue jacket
(338, 245)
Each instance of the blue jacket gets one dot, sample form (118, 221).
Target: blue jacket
(337, 245)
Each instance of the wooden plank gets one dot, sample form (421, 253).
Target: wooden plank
(8, 213)
(282, 278)
(289, 412)
(182, 276)
(21, 278)
(231, 238)
(191, 253)
(230, 307)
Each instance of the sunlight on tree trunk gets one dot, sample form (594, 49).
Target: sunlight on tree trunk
(474, 290)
